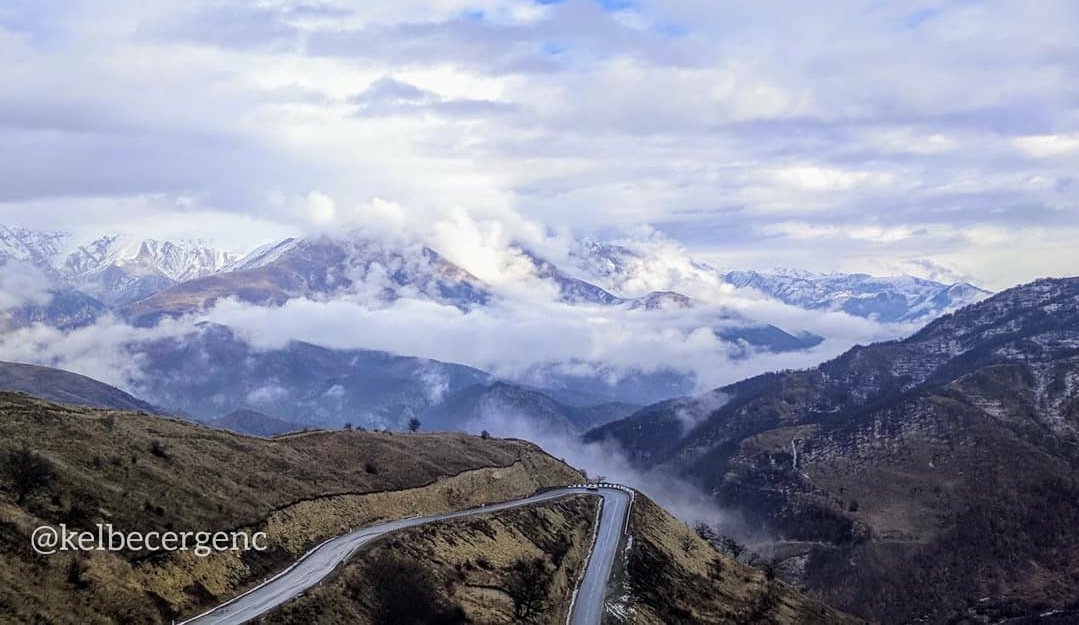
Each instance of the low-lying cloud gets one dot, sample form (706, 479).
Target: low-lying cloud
(508, 338)
(606, 460)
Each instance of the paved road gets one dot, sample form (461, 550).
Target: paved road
(318, 563)
(589, 605)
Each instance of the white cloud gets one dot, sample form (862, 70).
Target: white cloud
(814, 178)
(1048, 146)
(99, 351)
(707, 120)
(22, 283)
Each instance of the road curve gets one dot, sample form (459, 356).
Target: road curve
(317, 564)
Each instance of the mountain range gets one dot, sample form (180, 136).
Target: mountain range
(930, 479)
(896, 299)
(211, 373)
(631, 267)
(124, 272)
(112, 268)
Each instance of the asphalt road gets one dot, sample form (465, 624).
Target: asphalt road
(317, 564)
(589, 605)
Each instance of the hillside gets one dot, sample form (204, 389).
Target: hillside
(140, 472)
(145, 473)
(66, 387)
(932, 478)
(674, 577)
(214, 371)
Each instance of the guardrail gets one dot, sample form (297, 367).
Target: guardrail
(620, 487)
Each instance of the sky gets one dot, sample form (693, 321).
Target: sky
(938, 138)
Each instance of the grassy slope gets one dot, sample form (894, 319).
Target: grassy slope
(468, 564)
(676, 578)
(301, 489)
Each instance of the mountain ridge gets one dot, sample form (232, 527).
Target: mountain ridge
(121, 271)
(69, 388)
(899, 457)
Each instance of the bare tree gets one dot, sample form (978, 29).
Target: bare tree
(28, 472)
(414, 424)
(527, 587)
(403, 593)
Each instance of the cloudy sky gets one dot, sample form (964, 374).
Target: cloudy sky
(939, 138)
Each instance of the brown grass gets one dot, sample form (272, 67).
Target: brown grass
(468, 562)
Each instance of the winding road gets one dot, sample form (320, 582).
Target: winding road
(588, 606)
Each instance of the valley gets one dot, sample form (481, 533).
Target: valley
(863, 481)
(539, 312)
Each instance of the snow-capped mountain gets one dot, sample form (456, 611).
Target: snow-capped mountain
(361, 269)
(118, 269)
(30, 246)
(169, 277)
(263, 255)
(662, 300)
(176, 261)
(571, 290)
(638, 268)
(635, 268)
(888, 299)
(115, 269)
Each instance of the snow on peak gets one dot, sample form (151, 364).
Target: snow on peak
(30, 246)
(262, 255)
(176, 261)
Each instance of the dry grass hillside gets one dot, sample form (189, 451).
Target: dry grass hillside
(141, 472)
(677, 578)
(460, 571)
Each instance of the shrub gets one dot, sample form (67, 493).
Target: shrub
(28, 472)
(527, 587)
(158, 449)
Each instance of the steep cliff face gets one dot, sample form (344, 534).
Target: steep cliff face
(934, 477)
